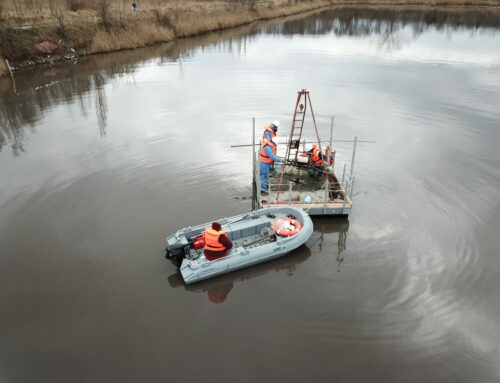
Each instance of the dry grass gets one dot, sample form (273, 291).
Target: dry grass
(89, 29)
(193, 23)
(4, 71)
(138, 37)
(84, 26)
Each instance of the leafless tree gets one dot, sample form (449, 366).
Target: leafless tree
(121, 5)
(252, 4)
(164, 19)
(59, 15)
(4, 32)
(2, 8)
(104, 14)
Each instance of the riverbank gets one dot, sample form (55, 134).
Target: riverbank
(46, 31)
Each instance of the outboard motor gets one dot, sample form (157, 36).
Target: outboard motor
(177, 252)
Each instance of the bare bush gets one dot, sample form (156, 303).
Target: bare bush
(252, 5)
(164, 19)
(59, 15)
(8, 44)
(2, 9)
(33, 6)
(4, 32)
(121, 5)
(17, 6)
(104, 14)
(77, 5)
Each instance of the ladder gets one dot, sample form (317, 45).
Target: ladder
(299, 115)
(293, 146)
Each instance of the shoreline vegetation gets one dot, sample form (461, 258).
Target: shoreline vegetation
(45, 31)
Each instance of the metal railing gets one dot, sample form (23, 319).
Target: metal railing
(344, 186)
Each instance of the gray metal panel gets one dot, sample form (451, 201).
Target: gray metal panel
(329, 211)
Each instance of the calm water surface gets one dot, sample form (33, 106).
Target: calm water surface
(100, 159)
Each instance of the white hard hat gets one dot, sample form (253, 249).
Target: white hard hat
(308, 147)
(276, 123)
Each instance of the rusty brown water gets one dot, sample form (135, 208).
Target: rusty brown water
(102, 158)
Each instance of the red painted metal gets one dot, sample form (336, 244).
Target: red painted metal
(299, 116)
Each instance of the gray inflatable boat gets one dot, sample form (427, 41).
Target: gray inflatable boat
(257, 237)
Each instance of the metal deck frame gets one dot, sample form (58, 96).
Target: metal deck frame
(327, 206)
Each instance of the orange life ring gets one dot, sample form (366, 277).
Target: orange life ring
(283, 229)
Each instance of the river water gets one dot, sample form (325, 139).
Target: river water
(101, 158)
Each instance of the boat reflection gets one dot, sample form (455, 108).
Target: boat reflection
(329, 225)
(218, 288)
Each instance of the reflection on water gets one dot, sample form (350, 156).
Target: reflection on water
(218, 288)
(112, 153)
(23, 109)
(387, 22)
(41, 88)
(324, 225)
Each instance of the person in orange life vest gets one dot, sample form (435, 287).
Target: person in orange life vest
(270, 130)
(315, 162)
(216, 242)
(267, 154)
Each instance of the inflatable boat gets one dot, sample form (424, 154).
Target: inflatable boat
(257, 237)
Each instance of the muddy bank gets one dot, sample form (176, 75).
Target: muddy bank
(28, 40)
(51, 34)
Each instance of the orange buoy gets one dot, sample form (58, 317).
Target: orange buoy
(286, 227)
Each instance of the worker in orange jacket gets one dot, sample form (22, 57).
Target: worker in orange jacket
(316, 169)
(267, 155)
(216, 242)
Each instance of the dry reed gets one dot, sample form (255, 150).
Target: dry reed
(140, 36)
(4, 70)
(81, 26)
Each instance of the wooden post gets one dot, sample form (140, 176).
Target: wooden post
(11, 75)
(9, 68)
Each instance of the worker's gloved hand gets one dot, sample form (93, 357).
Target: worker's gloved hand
(280, 160)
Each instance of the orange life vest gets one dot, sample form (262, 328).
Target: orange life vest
(330, 155)
(212, 240)
(267, 128)
(315, 156)
(263, 155)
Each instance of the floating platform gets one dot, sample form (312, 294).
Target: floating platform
(290, 183)
(324, 196)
